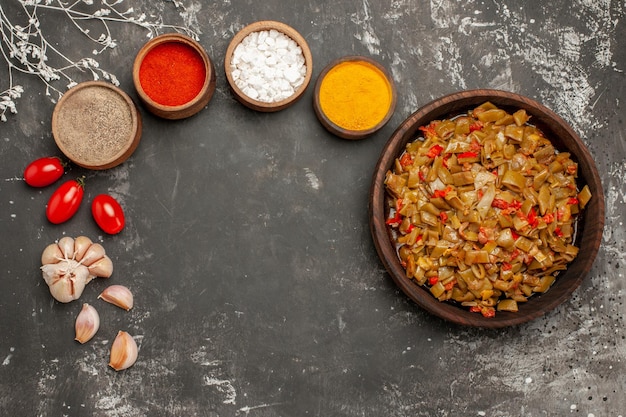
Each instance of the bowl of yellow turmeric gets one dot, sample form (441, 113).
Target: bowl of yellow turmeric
(486, 208)
(354, 97)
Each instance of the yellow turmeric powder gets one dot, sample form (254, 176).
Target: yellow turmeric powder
(355, 95)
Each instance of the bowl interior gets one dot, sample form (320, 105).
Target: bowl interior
(590, 223)
(259, 26)
(342, 131)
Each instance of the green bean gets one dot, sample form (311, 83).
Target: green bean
(507, 305)
(584, 196)
(491, 115)
(514, 180)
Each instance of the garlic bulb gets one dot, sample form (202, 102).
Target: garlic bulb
(118, 295)
(87, 323)
(69, 265)
(123, 351)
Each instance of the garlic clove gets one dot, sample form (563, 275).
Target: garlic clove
(118, 295)
(87, 323)
(81, 244)
(64, 292)
(51, 273)
(51, 254)
(103, 267)
(123, 351)
(66, 244)
(93, 253)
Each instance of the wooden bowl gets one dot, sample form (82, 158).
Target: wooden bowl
(589, 227)
(255, 104)
(189, 54)
(96, 125)
(375, 73)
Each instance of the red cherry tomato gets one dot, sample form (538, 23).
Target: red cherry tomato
(65, 201)
(108, 214)
(43, 171)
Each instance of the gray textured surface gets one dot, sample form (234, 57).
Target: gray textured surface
(258, 290)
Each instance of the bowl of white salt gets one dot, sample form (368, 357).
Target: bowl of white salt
(268, 66)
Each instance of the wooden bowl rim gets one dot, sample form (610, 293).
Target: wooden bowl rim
(590, 228)
(259, 26)
(135, 131)
(348, 133)
(207, 87)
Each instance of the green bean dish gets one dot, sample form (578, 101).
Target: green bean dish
(482, 209)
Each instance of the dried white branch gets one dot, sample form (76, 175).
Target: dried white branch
(26, 49)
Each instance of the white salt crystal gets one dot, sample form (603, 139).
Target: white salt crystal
(270, 73)
(256, 82)
(290, 59)
(282, 43)
(292, 75)
(251, 92)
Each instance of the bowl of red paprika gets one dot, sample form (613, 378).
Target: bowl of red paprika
(174, 76)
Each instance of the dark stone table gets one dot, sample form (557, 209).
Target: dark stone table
(258, 291)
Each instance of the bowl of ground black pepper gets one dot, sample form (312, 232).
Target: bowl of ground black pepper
(174, 76)
(268, 66)
(354, 97)
(96, 125)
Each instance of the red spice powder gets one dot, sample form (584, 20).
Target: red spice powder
(172, 73)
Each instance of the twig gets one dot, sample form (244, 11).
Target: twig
(26, 49)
